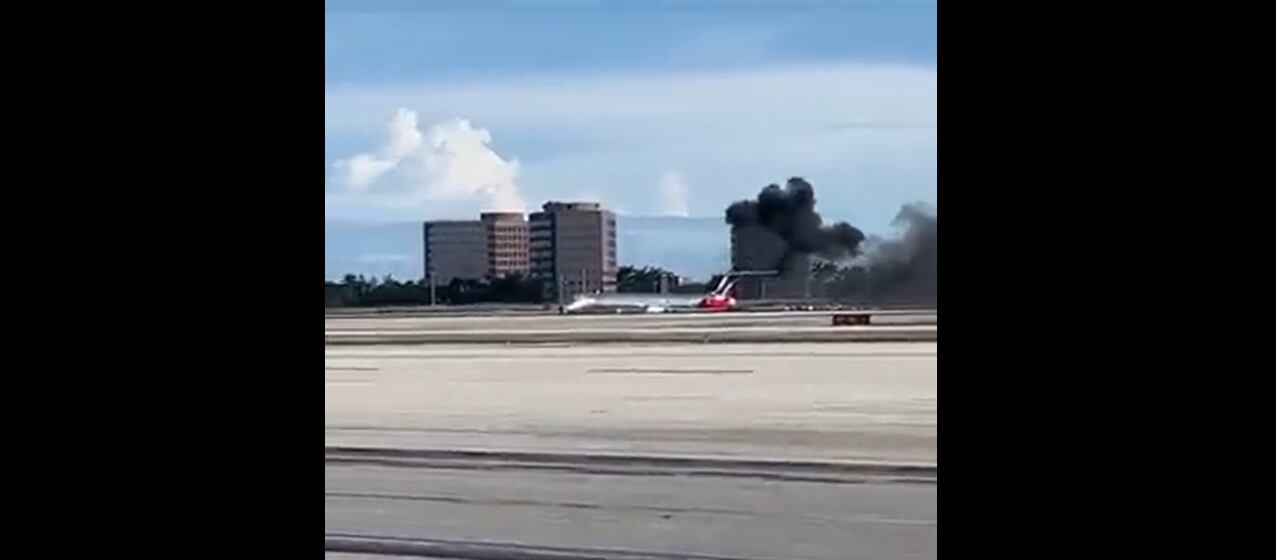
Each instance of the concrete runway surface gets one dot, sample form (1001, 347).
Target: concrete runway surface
(632, 451)
(857, 402)
(613, 321)
(463, 513)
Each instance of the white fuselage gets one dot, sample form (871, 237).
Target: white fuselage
(651, 303)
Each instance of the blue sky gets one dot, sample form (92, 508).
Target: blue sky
(436, 109)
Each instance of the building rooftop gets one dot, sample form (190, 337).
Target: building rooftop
(556, 206)
(502, 216)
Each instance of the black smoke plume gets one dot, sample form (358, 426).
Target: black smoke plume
(899, 270)
(906, 268)
(789, 212)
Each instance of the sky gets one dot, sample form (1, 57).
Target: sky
(442, 109)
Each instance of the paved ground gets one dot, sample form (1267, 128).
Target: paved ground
(580, 515)
(827, 401)
(630, 321)
(541, 416)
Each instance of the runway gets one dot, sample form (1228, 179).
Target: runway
(772, 451)
(831, 401)
(497, 513)
(638, 321)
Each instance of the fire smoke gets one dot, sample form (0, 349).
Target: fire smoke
(789, 212)
(901, 268)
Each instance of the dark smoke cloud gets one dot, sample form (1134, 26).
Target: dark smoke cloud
(918, 225)
(789, 212)
(902, 270)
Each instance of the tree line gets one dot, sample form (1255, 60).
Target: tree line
(360, 291)
(828, 281)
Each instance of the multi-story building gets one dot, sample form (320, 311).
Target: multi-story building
(455, 249)
(755, 248)
(572, 246)
(506, 243)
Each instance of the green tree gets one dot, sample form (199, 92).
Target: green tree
(357, 291)
(631, 279)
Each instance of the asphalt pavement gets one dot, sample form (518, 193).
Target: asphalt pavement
(494, 511)
(652, 451)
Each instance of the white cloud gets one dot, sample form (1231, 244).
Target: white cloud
(452, 162)
(863, 134)
(357, 173)
(360, 171)
(673, 194)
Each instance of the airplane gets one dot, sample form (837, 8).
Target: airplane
(720, 299)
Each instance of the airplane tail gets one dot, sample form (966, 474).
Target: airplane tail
(725, 285)
(729, 280)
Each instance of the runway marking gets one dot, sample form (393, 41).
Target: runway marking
(665, 511)
(487, 550)
(634, 465)
(531, 503)
(489, 356)
(671, 371)
(618, 471)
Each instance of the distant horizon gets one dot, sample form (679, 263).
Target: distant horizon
(692, 246)
(388, 221)
(695, 247)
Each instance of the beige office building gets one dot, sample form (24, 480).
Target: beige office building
(572, 245)
(492, 246)
(506, 243)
